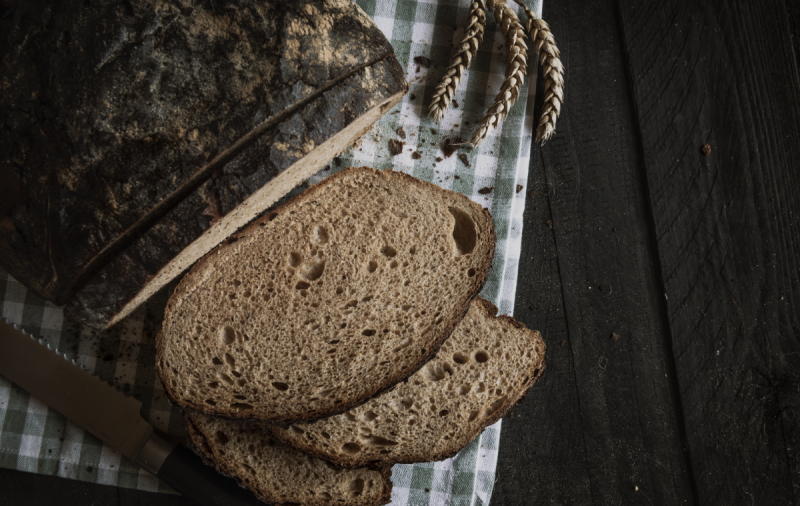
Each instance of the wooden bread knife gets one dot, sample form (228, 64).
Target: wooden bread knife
(100, 409)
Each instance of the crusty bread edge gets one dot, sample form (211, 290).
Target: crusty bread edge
(478, 281)
(200, 445)
(537, 370)
(202, 448)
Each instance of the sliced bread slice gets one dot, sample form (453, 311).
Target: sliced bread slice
(484, 368)
(279, 474)
(346, 290)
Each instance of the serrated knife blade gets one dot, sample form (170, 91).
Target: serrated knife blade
(63, 385)
(100, 409)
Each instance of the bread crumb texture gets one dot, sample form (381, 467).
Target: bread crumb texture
(483, 369)
(343, 292)
(279, 474)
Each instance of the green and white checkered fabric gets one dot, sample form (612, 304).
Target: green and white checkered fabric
(36, 439)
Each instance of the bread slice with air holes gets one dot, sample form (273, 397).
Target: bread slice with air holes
(346, 290)
(484, 368)
(279, 474)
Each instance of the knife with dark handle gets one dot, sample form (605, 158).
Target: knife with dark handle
(100, 409)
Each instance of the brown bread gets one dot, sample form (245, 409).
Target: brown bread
(279, 474)
(484, 368)
(342, 293)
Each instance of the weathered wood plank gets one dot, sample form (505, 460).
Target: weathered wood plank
(604, 418)
(542, 446)
(793, 13)
(724, 74)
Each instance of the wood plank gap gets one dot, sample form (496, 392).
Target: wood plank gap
(792, 11)
(548, 185)
(652, 245)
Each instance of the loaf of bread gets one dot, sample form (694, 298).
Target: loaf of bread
(139, 135)
(343, 292)
(484, 368)
(279, 474)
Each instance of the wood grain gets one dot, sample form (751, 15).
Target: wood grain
(724, 74)
(604, 419)
(542, 444)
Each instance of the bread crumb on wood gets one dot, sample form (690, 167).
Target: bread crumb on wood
(706, 150)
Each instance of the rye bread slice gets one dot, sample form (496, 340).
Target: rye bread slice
(484, 368)
(279, 474)
(346, 290)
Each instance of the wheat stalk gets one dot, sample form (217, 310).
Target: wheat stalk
(516, 68)
(553, 72)
(473, 36)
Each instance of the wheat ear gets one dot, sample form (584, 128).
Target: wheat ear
(473, 36)
(553, 72)
(516, 68)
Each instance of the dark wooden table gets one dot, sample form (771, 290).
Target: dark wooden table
(666, 281)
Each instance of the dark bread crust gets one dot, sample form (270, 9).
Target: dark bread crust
(203, 449)
(448, 327)
(537, 370)
(130, 156)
